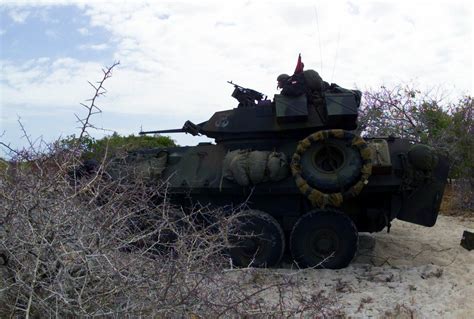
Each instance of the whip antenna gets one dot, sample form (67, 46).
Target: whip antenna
(337, 51)
(319, 37)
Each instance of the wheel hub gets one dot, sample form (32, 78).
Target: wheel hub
(249, 246)
(328, 158)
(324, 242)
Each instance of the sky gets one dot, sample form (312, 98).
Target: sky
(177, 56)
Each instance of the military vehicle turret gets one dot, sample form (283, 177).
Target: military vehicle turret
(309, 183)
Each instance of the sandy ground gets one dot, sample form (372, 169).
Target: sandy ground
(413, 271)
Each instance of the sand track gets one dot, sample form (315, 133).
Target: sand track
(413, 270)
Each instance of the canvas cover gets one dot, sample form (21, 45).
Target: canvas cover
(246, 167)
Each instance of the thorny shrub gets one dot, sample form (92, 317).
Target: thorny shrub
(77, 243)
(101, 247)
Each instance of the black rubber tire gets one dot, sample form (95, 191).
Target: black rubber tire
(142, 226)
(331, 165)
(86, 169)
(256, 240)
(321, 233)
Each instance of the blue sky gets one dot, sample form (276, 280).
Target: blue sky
(53, 32)
(176, 56)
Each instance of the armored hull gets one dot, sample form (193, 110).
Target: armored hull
(306, 180)
(391, 192)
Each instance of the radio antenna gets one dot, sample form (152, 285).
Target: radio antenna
(319, 36)
(337, 51)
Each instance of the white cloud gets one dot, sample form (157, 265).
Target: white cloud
(95, 47)
(370, 44)
(19, 16)
(83, 31)
(42, 82)
(176, 57)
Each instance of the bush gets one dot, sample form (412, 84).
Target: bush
(95, 246)
(113, 145)
(100, 247)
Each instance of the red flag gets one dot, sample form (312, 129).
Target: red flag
(299, 65)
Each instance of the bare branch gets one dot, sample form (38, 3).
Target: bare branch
(99, 90)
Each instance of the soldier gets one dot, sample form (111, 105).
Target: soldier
(282, 79)
(291, 85)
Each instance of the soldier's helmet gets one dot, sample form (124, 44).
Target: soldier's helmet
(283, 77)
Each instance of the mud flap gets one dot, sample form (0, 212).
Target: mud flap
(422, 205)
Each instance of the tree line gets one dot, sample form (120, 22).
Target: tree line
(423, 117)
(113, 145)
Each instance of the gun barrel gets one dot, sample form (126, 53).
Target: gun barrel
(188, 127)
(177, 130)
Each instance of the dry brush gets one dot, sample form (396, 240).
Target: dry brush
(75, 242)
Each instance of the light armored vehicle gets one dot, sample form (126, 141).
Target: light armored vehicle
(309, 184)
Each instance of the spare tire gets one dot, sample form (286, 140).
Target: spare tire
(331, 166)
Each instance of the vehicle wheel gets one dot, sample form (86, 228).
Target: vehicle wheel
(256, 239)
(331, 165)
(324, 239)
(144, 225)
(86, 169)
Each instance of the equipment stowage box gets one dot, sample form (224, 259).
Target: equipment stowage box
(340, 107)
(291, 109)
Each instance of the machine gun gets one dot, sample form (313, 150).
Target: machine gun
(188, 127)
(247, 97)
